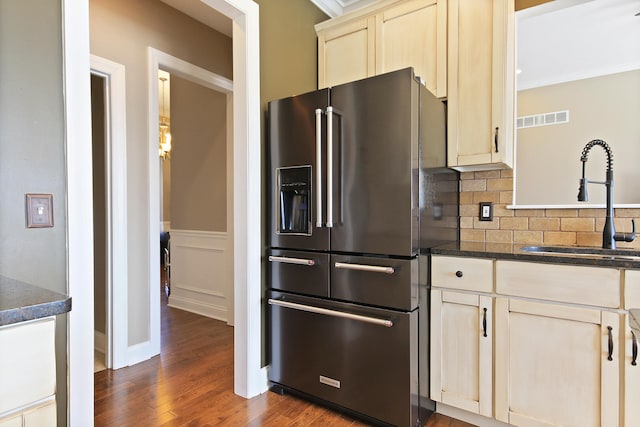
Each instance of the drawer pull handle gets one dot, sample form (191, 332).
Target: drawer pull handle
(484, 322)
(459, 273)
(634, 349)
(288, 260)
(363, 267)
(335, 313)
(610, 332)
(495, 139)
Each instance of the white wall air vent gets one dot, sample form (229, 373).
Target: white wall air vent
(543, 119)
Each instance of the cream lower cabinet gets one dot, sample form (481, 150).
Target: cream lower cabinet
(386, 36)
(556, 365)
(631, 368)
(461, 350)
(28, 374)
(462, 333)
(481, 84)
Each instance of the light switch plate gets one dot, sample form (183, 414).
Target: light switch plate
(486, 211)
(39, 210)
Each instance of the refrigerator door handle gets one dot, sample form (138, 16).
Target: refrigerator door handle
(289, 260)
(318, 167)
(335, 313)
(329, 167)
(364, 267)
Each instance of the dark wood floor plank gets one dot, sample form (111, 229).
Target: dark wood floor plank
(191, 385)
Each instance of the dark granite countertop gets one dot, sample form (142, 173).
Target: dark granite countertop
(21, 301)
(514, 252)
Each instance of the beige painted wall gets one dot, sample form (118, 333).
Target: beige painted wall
(32, 154)
(548, 162)
(288, 66)
(99, 203)
(121, 31)
(198, 158)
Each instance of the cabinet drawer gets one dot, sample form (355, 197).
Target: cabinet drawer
(27, 363)
(632, 289)
(470, 274)
(562, 283)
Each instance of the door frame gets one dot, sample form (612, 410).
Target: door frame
(158, 60)
(116, 203)
(250, 378)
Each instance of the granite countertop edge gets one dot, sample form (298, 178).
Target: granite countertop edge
(508, 251)
(21, 302)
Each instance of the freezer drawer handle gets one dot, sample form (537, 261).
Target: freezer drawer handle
(288, 260)
(363, 267)
(335, 313)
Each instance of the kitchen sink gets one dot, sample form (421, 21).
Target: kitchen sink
(587, 252)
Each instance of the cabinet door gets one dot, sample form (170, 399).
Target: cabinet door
(481, 84)
(43, 416)
(346, 52)
(461, 351)
(631, 377)
(556, 365)
(15, 421)
(414, 34)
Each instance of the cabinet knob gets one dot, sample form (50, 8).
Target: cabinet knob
(458, 273)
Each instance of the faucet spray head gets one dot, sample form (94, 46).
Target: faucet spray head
(583, 196)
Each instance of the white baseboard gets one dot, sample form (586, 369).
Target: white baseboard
(468, 417)
(196, 306)
(139, 353)
(100, 342)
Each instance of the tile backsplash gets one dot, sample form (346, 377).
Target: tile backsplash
(581, 227)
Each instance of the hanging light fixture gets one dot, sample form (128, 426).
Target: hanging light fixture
(165, 134)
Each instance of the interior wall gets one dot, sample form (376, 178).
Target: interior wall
(603, 107)
(288, 66)
(32, 154)
(99, 202)
(198, 158)
(121, 31)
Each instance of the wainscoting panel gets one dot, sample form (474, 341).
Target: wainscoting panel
(201, 272)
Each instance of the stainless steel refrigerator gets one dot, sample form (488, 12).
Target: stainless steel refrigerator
(358, 192)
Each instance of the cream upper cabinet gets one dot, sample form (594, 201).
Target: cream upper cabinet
(386, 36)
(556, 365)
(481, 84)
(346, 52)
(462, 333)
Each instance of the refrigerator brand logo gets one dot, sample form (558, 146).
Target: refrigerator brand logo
(330, 381)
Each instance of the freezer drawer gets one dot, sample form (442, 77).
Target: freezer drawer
(299, 271)
(376, 281)
(362, 359)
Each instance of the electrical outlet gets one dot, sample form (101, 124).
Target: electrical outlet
(486, 211)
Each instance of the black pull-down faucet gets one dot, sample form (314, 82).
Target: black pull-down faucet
(609, 235)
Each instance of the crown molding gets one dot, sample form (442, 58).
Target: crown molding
(335, 8)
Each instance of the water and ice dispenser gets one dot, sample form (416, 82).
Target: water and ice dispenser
(294, 200)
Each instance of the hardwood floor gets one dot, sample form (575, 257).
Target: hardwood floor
(191, 384)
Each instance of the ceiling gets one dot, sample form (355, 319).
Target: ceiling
(568, 40)
(211, 18)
